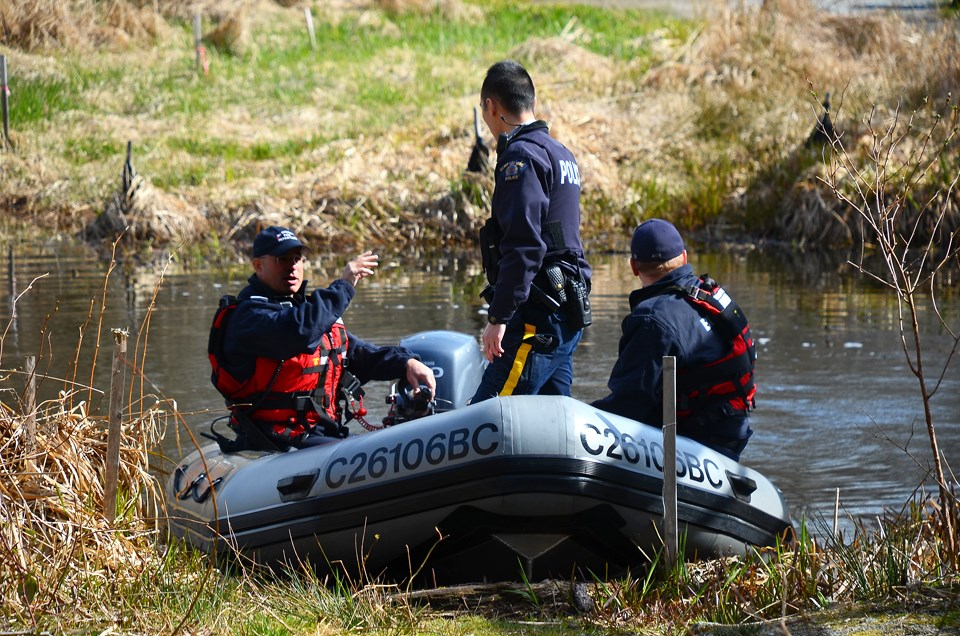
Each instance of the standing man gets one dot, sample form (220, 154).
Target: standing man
(283, 359)
(676, 313)
(538, 277)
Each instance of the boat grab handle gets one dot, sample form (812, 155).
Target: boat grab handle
(742, 486)
(296, 486)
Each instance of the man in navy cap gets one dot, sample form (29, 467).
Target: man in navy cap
(283, 359)
(676, 313)
(532, 254)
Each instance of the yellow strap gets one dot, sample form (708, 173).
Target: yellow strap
(529, 331)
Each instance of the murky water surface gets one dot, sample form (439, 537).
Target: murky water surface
(837, 409)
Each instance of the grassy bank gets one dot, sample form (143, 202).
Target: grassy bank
(365, 138)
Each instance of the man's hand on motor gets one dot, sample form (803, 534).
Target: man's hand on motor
(492, 341)
(418, 373)
(360, 267)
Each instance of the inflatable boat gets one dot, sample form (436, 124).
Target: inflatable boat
(524, 486)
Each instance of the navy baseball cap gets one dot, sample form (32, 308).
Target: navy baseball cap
(275, 241)
(656, 241)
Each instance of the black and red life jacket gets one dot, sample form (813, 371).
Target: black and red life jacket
(725, 386)
(292, 396)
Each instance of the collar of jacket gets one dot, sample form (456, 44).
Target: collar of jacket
(637, 296)
(505, 139)
(257, 288)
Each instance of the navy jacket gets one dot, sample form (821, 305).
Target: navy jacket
(663, 325)
(536, 203)
(279, 327)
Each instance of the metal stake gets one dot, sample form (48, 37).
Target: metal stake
(670, 460)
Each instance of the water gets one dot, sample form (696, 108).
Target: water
(837, 405)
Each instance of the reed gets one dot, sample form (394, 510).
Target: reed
(58, 549)
(60, 554)
(885, 562)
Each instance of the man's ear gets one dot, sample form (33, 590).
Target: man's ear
(495, 111)
(634, 266)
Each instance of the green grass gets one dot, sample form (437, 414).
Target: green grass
(35, 100)
(610, 32)
(236, 150)
(284, 72)
(240, 121)
(85, 149)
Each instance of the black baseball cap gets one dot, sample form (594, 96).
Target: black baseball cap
(656, 241)
(275, 241)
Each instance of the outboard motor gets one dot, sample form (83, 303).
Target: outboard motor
(456, 362)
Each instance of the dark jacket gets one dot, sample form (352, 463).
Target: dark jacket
(280, 327)
(536, 203)
(664, 324)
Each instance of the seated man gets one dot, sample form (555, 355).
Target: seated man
(675, 313)
(283, 359)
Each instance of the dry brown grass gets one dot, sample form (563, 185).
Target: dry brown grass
(59, 552)
(759, 73)
(31, 25)
(54, 539)
(147, 214)
(232, 34)
(730, 104)
(77, 24)
(449, 9)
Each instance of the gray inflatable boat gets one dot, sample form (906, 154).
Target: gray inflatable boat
(535, 486)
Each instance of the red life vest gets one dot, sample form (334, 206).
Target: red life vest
(292, 396)
(725, 386)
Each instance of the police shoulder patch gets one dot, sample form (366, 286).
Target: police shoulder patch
(512, 170)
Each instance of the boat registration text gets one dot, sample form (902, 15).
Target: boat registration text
(409, 455)
(622, 447)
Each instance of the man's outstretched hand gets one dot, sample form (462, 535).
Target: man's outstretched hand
(360, 267)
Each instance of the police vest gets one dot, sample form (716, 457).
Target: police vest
(723, 387)
(292, 396)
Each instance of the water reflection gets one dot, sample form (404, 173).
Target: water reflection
(837, 404)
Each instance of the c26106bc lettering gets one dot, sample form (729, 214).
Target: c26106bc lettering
(409, 455)
(624, 447)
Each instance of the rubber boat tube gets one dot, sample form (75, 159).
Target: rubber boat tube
(539, 486)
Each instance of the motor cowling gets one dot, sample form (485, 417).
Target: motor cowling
(456, 361)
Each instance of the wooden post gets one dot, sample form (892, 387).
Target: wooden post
(836, 516)
(4, 95)
(128, 173)
(670, 461)
(112, 466)
(313, 35)
(197, 41)
(12, 277)
(30, 405)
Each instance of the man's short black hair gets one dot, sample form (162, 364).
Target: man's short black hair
(510, 84)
